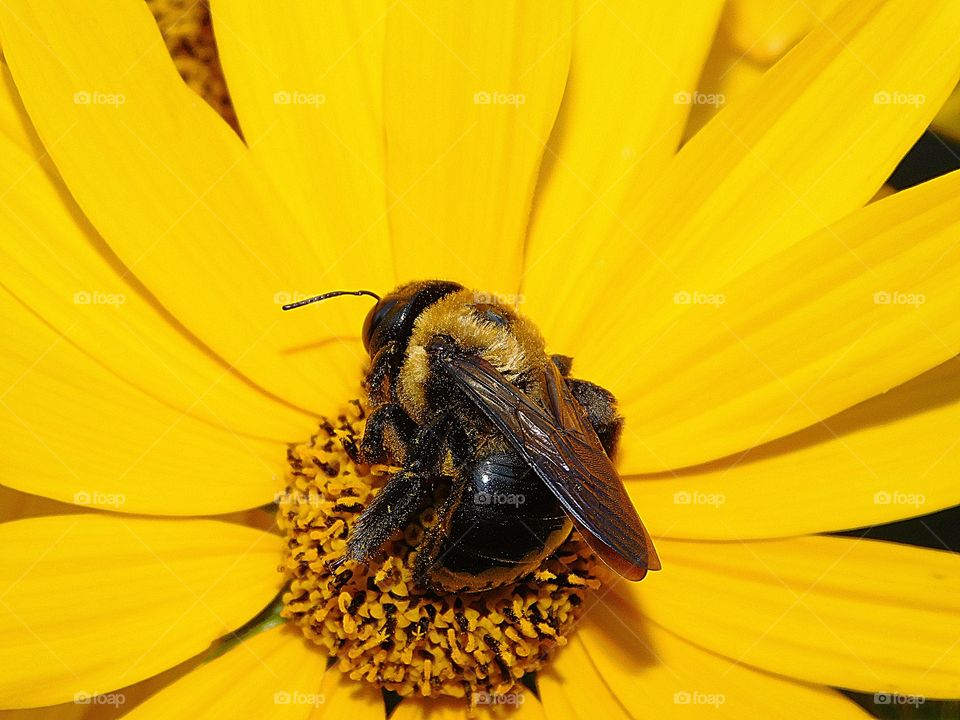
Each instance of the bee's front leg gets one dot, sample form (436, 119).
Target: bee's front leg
(385, 365)
(397, 504)
(386, 433)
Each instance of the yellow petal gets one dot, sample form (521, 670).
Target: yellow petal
(306, 81)
(520, 705)
(572, 687)
(813, 141)
(346, 698)
(632, 71)
(727, 74)
(752, 36)
(108, 706)
(864, 615)
(67, 711)
(889, 458)
(279, 677)
(16, 505)
(885, 191)
(764, 31)
(55, 262)
(14, 123)
(75, 432)
(947, 121)
(94, 602)
(841, 316)
(614, 668)
(470, 95)
(175, 193)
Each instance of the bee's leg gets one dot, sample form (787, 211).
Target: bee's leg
(385, 434)
(385, 364)
(601, 408)
(400, 500)
(404, 495)
(430, 551)
(564, 363)
(459, 442)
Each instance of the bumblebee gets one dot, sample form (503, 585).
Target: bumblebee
(462, 392)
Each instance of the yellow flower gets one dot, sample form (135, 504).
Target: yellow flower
(784, 356)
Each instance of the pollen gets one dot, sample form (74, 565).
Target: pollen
(376, 623)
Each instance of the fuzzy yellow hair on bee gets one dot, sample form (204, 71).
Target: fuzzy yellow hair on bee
(512, 348)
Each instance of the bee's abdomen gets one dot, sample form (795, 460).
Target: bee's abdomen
(503, 525)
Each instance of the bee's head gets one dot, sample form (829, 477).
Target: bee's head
(392, 318)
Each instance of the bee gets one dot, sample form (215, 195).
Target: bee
(462, 392)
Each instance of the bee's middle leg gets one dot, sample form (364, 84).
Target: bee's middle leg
(430, 552)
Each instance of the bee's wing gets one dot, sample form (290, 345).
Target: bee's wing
(561, 446)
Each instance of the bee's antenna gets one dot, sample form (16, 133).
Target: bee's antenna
(328, 295)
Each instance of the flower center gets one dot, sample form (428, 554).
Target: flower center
(374, 620)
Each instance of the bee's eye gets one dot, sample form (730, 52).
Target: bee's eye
(492, 314)
(376, 321)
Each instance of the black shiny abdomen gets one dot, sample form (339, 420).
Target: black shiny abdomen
(500, 522)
